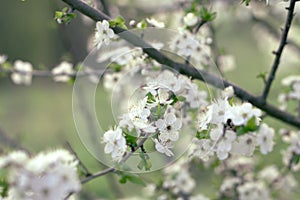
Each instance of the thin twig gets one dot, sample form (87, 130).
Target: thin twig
(8, 141)
(47, 73)
(279, 51)
(84, 168)
(199, 25)
(113, 169)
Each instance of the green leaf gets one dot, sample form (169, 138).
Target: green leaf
(296, 159)
(202, 134)
(249, 127)
(177, 98)
(131, 140)
(64, 16)
(118, 21)
(132, 178)
(116, 67)
(65, 9)
(151, 98)
(262, 76)
(247, 2)
(206, 15)
(58, 14)
(158, 111)
(4, 187)
(143, 24)
(145, 162)
(231, 101)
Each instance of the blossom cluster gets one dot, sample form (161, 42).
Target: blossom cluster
(48, 175)
(160, 111)
(291, 155)
(226, 128)
(177, 182)
(241, 181)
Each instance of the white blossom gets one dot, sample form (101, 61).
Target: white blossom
(139, 113)
(47, 176)
(240, 114)
(202, 149)
(163, 147)
(62, 72)
(253, 191)
(169, 127)
(295, 93)
(265, 138)
(190, 19)
(3, 58)
(219, 110)
(244, 145)
(103, 33)
(22, 73)
(228, 92)
(270, 174)
(115, 143)
(110, 81)
(155, 23)
(288, 81)
(226, 63)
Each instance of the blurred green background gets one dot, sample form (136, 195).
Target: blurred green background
(40, 116)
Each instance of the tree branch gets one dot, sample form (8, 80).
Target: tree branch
(47, 73)
(279, 51)
(186, 69)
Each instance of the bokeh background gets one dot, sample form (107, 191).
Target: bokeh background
(40, 116)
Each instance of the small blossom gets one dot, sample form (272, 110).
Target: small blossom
(240, 114)
(270, 174)
(202, 149)
(253, 191)
(265, 138)
(228, 92)
(163, 147)
(3, 58)
(155, 23)
(227, 63)
(169, 127)
(103, 34)
(295, 93)
(190, 19)
(288, 81)
(219, 110)
(115, 143)
(245, 145)
(22, 73)
(110, 81)
(62, 72)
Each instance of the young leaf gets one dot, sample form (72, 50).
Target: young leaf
(132, 178)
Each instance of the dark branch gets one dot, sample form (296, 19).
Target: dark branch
(279, 51)
(186, 69)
